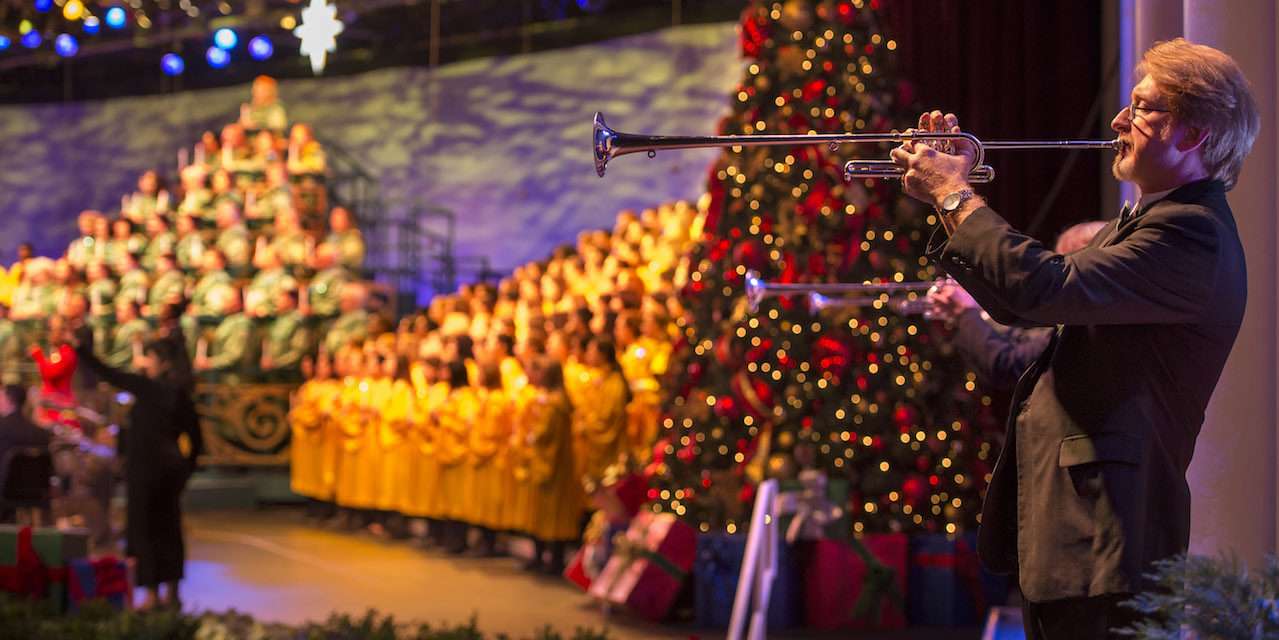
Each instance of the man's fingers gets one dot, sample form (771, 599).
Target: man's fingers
(908, 145)
(952, 122)
(900, 156)
(935, 124)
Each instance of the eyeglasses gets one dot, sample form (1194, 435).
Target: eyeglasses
(1133, 110)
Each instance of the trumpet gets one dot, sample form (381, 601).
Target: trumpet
(902, 305)
(757, 290)
(609, 144)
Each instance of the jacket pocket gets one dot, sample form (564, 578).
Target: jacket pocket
(1086, 448)
(1094, 461)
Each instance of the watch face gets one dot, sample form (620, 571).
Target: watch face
(951, 202)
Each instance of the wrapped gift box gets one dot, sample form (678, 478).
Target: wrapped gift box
(106, 578)
(33, 562)
(619, 495)
(648, 565)
(948, 587)
(814, 507)
(597, 546)
(715, 576)
(858, 584)
(575, 572)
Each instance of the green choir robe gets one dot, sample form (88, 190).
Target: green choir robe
(349, 327)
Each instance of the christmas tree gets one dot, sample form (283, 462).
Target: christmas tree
(869, 393)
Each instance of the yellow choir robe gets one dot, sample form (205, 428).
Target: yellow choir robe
(488, 441)
(451, 452)
(599, 429)
(306, 451)
(397, 452)
(578, 379)
(517, 498)
(423, 498)
(555, 494)
(349, 422)
(644, 362)
(513, 377)
(328, 399)
(370, 481)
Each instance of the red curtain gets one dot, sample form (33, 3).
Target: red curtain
(1014, 70)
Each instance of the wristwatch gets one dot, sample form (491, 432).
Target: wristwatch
(954, 200)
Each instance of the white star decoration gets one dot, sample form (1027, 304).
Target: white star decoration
(318, 33)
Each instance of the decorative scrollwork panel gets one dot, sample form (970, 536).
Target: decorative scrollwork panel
(244, 424)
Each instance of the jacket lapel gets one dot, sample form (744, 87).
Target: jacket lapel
(1189, 192)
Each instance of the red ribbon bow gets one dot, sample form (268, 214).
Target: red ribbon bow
(28, 576)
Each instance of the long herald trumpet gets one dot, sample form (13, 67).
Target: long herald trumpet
(902, 305)
(757, 290)
(609, 144)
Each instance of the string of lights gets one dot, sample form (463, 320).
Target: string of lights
(33, 30)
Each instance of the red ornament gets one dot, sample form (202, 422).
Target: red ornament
(725, 407)
(659, 450)
(750, 254)
(813, 89)
(914, 489)
(754, 33)
(753, 396)
(905, 415)
(726, 351)
(747, 494)
(832, 355)
(685, 454)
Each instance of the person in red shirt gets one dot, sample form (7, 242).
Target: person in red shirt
(57, 368)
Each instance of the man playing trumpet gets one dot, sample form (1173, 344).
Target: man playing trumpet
(1091, 487)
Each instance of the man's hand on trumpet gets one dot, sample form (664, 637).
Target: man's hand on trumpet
(936, 169)
(948, 301)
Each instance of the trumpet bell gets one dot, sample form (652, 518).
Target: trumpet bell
(604, 141)
(755, 290)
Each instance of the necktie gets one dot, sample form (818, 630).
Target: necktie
(1126, 212)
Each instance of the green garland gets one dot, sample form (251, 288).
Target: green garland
(22, 620)
(1209, 598)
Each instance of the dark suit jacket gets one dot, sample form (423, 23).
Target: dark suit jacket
(17, 432)
(1091, 486)
(999, 355)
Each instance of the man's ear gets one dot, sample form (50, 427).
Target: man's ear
(1192, 137)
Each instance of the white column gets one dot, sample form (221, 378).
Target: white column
(1233, 477)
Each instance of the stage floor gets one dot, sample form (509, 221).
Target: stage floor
(278, 567)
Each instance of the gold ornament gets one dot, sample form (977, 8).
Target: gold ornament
(781, 465)
(785, 439)
(790, 59)
(797, 15)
